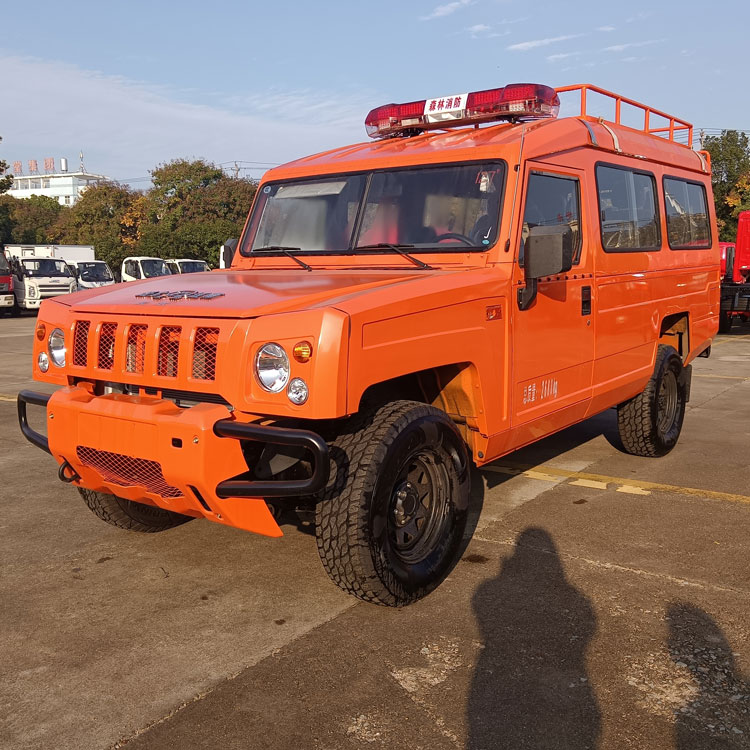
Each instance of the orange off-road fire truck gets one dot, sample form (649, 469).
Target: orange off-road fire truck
(478, 276)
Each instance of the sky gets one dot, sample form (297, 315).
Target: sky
(136, 84)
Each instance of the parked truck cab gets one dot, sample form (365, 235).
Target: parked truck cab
(91, 274)
(136, 268)
(735, 276)
(37, 279)
(477, 276)
(186, 265)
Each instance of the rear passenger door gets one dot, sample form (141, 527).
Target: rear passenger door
(553, 340)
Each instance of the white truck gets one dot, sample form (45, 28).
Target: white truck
(186, 265)
(38, 275)
(141, 267)
(89, 272)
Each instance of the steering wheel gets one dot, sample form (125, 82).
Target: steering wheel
(455, 236)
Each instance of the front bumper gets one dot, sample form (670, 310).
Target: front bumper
(147, 449)
(6, 300)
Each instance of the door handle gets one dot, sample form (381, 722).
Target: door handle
(586, 300)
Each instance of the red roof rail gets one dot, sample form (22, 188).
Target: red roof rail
(676, 125)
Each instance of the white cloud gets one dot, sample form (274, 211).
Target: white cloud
(524, 46)
(125, 128)
(562, 56)
(478, 28)
(446, 10)
(630, 45)
(605, 28)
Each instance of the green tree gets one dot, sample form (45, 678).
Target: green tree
(34, 219)
(7, 180)
(192, 209)
(6, 219)
(98, 219)
(730, 159)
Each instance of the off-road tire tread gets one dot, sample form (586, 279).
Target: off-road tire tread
(634, 417)
(129, 515)
(342, 543)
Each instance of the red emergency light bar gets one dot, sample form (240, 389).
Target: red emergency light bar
(518, 101)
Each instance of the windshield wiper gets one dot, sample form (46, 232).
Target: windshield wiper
(289, 252)
(397, 249)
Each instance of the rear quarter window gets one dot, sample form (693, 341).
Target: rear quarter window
(628, 210)
(687, 214)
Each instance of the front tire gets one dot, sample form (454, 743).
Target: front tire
(650, 424)
(390, 524)
(725, 321)
(129, 515)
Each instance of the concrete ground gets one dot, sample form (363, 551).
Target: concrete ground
(603, 602)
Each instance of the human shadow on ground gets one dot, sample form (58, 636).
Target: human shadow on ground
(530, 688)
(718, 716)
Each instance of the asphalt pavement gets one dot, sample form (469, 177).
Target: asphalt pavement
(603, 602)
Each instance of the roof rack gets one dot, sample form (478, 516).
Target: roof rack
(676, 126)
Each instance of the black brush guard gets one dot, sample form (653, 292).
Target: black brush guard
(228, 428)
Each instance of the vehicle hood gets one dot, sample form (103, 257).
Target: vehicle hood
(236, 293)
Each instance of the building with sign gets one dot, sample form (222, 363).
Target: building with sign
(64, 186)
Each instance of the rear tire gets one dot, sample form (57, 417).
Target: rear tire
(129, 515)
(725, 321)
(650, 424)
(391, 521)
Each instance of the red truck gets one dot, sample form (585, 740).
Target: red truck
(7, 300)
(735, 276)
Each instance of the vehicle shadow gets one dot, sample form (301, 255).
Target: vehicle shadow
(530, 687)
(718, 716)
(604, 424)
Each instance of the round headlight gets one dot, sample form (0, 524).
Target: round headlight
(272, 367)
(43, 361)
(56, 347)
(297, 391)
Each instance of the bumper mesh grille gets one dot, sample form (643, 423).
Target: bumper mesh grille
(127, 471)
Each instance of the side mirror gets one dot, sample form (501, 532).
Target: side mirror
(228, 250)
(548, 251)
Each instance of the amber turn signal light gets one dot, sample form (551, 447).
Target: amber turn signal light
(41, 330)
(302, 351)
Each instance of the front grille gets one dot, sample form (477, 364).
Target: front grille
(127, 471)
(204, 353)
(80, 343)
(135, 350)
(106, 357)
(129, 349)
(169, 351)
(4, 286)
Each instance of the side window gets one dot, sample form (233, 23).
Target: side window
(628, 211)
(687, 215)
(552, 200)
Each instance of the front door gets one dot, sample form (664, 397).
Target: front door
(553, 340)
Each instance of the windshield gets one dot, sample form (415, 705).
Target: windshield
(428, 208)
(45, 267)
(96, 271)
(193, 266)
(154, 267)
(4, 267)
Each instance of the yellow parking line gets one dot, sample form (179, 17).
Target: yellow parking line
(731, 338)
(589, 483)
(622, 481)
(3, 397)
(724, 377)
